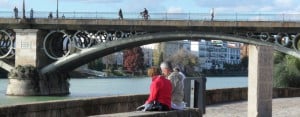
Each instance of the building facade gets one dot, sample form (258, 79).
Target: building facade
(148, 54)
(213, 54)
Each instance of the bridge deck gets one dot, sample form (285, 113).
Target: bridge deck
(151, 25)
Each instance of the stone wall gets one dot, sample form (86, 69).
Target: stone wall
(75, 108)
(215, 96)
(25, 81)
(106, 105)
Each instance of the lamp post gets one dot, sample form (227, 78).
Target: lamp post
(24, 9)
(57, 9)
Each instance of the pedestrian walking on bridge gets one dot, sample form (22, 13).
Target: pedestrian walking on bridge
(16, 12)
(212, 14)
(120, 14)
(31, 13)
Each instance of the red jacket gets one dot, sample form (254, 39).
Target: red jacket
(160, 90)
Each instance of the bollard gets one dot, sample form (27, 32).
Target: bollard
(199, 84)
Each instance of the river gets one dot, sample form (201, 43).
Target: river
(83, 88)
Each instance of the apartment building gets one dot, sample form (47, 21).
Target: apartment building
(213, 54)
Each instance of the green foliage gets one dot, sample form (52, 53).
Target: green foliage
(278, 57)
(244, 62)
(287, 72)
(118, 73)
(280, 76)
(297, 64)
(158, 56)
(96, 65)
(161, 58)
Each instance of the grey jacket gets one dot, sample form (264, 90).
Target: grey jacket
(177, 87)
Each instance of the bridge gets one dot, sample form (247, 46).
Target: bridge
(53, 47)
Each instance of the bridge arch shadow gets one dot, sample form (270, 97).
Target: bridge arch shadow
(75, 60)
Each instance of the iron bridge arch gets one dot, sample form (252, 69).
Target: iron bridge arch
(86, 55)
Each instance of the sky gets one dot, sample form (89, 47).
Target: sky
(158, 6)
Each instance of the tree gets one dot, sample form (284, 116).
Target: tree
(244, 62)
(185, 60)
(96, 64)
(287, 71)
(133, 59)
(158, 55)
(109, 60)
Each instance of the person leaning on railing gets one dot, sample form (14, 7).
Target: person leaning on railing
(50, 15)
(63, 16)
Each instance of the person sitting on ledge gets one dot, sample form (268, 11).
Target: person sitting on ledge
(177, 85)
(160, 92)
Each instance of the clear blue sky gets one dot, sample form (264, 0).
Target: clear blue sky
(162, 6)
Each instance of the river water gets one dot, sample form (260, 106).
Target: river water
(83, 88)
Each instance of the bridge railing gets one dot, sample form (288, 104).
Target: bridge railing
(162, 16)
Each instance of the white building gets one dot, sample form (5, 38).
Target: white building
(214, 53)
(148, 54)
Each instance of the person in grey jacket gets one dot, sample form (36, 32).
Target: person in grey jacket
(177, 85)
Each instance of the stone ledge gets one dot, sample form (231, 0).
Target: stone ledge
(118, 104)
(189, 112)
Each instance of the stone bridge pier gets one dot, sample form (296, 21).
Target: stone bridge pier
(25, 78)
(260, 81)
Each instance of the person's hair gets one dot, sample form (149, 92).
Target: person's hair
(166, 65)
(176, 69)
(153, 71)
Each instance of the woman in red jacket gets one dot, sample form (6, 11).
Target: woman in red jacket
(160, 92)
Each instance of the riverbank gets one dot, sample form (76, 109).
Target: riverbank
(227, 74)
(75, 74)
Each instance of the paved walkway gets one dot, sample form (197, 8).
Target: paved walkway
(281, 107)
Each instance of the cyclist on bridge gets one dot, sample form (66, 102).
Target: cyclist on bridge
(145, 14)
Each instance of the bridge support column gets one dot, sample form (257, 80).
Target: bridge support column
(260, 78)
(25, 78)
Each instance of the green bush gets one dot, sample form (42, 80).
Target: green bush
(286, 71)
